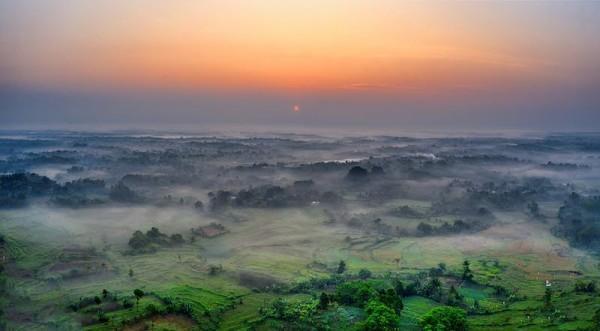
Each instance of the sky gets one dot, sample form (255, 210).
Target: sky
(331, 63)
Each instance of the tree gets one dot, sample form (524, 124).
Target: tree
(454, 298)
(364, 274)
(354, 293)
(138, 240)
(391, 299)
(104, 293)
(433, 289)
(444, 319)
(323, 301)
(548, 298)
(380, 317)
(130, 272)
(341, 267)
(596, 319)
(467, 273)
(534, 208)
(357, 173)
(585, 287)
(138, 295)
(398, 287)
(97, 300)
(424, 229)
(121, 193)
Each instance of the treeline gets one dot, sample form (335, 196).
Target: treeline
(379, 297)
(17, 190)
(579, 221)
(467, 198)
(300, 194)
(153, 239)
(458, 226)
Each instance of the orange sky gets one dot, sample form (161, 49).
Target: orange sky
(326, 45)
(382, 63)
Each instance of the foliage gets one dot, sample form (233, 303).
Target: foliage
(357, 173)
(323, 300)
(585, 287)
(122, 193)
(364, 274)
(444, 319)
(298, 311)
(380, 317)
(578, 221)
(458, 226)
(467, 273)
(354, 293)
(146, 243)
(548, 299)
(389, 298)
(138, 294)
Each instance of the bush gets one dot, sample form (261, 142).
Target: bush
(356, 293)
(127, 303)
(364, 274)
(151, 309)
(380, 317)
(444, 319)
(585, 287)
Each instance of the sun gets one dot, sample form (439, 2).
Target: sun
(296, 108)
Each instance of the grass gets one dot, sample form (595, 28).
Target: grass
(282, 244)
(414, 308)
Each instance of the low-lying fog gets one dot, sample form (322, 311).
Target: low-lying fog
(283, 207)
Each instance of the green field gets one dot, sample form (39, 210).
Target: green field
(283, 246)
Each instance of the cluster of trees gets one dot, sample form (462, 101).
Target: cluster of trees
(467, 198)
(381, 305)
(407, 212)
(97, 306)
(380, 298)
(508, 195)
(122, 193)
(15, 189)
(100, 304)
(358, 173)
(271, 196)
(458, 226)
(579, 222)
(585, 287)
(563, 166)
(444, 318)
(150, 241)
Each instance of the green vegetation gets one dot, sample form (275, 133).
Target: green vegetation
(412, 241)
(444, 319)
(151, 240)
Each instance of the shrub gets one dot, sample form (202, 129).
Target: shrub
(380, 317)
(444, 319)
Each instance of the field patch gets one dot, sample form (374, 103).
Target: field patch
(414, 308)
